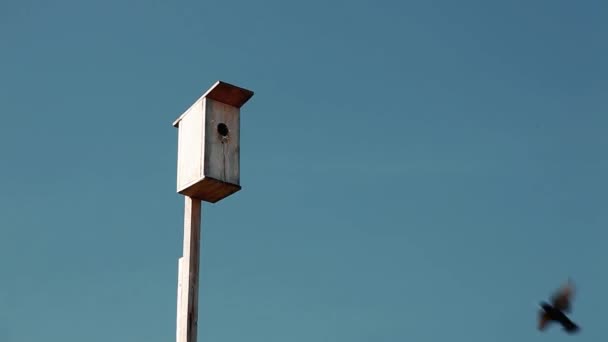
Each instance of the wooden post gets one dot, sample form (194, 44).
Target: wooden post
(188, 274)
(179, 299)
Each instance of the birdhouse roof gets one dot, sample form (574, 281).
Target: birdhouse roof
(225, 93)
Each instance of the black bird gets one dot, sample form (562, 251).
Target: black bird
(556, 311)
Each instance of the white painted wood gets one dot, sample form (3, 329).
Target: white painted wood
(188, 302)
(178, 325)
(221, 153)
(209, 163)
(191, 145)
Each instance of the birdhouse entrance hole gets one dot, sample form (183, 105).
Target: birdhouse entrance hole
(222, 129)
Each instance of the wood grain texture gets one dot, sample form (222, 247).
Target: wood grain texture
(221, 158)
(223, 92)
(190, 146)
(188, 303)
(210, 190)
(180, 275)
(209, 157)
(229, 94)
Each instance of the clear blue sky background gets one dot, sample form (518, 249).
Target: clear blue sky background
(411, 170)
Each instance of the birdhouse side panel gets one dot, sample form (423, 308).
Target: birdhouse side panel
(222, 145)
(191, 146)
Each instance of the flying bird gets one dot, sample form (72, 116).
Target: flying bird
(556, 311)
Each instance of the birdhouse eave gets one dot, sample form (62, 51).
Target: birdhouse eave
(226, 93)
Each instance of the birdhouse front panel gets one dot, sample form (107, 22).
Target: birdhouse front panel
(221, 157)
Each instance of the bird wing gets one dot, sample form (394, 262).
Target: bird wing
(561, 300)
(543, 320)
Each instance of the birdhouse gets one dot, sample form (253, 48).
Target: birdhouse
(208, 157)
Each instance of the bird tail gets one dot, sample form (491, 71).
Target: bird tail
(571, 327)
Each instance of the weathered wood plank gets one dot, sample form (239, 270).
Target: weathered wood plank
(180, 276)
(209, 144)
(188, 308)
(221, 158)
(210, 190)
(190, 146)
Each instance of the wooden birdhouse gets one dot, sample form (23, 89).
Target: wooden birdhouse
(208, 154)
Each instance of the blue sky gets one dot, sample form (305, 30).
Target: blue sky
(411, 170)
